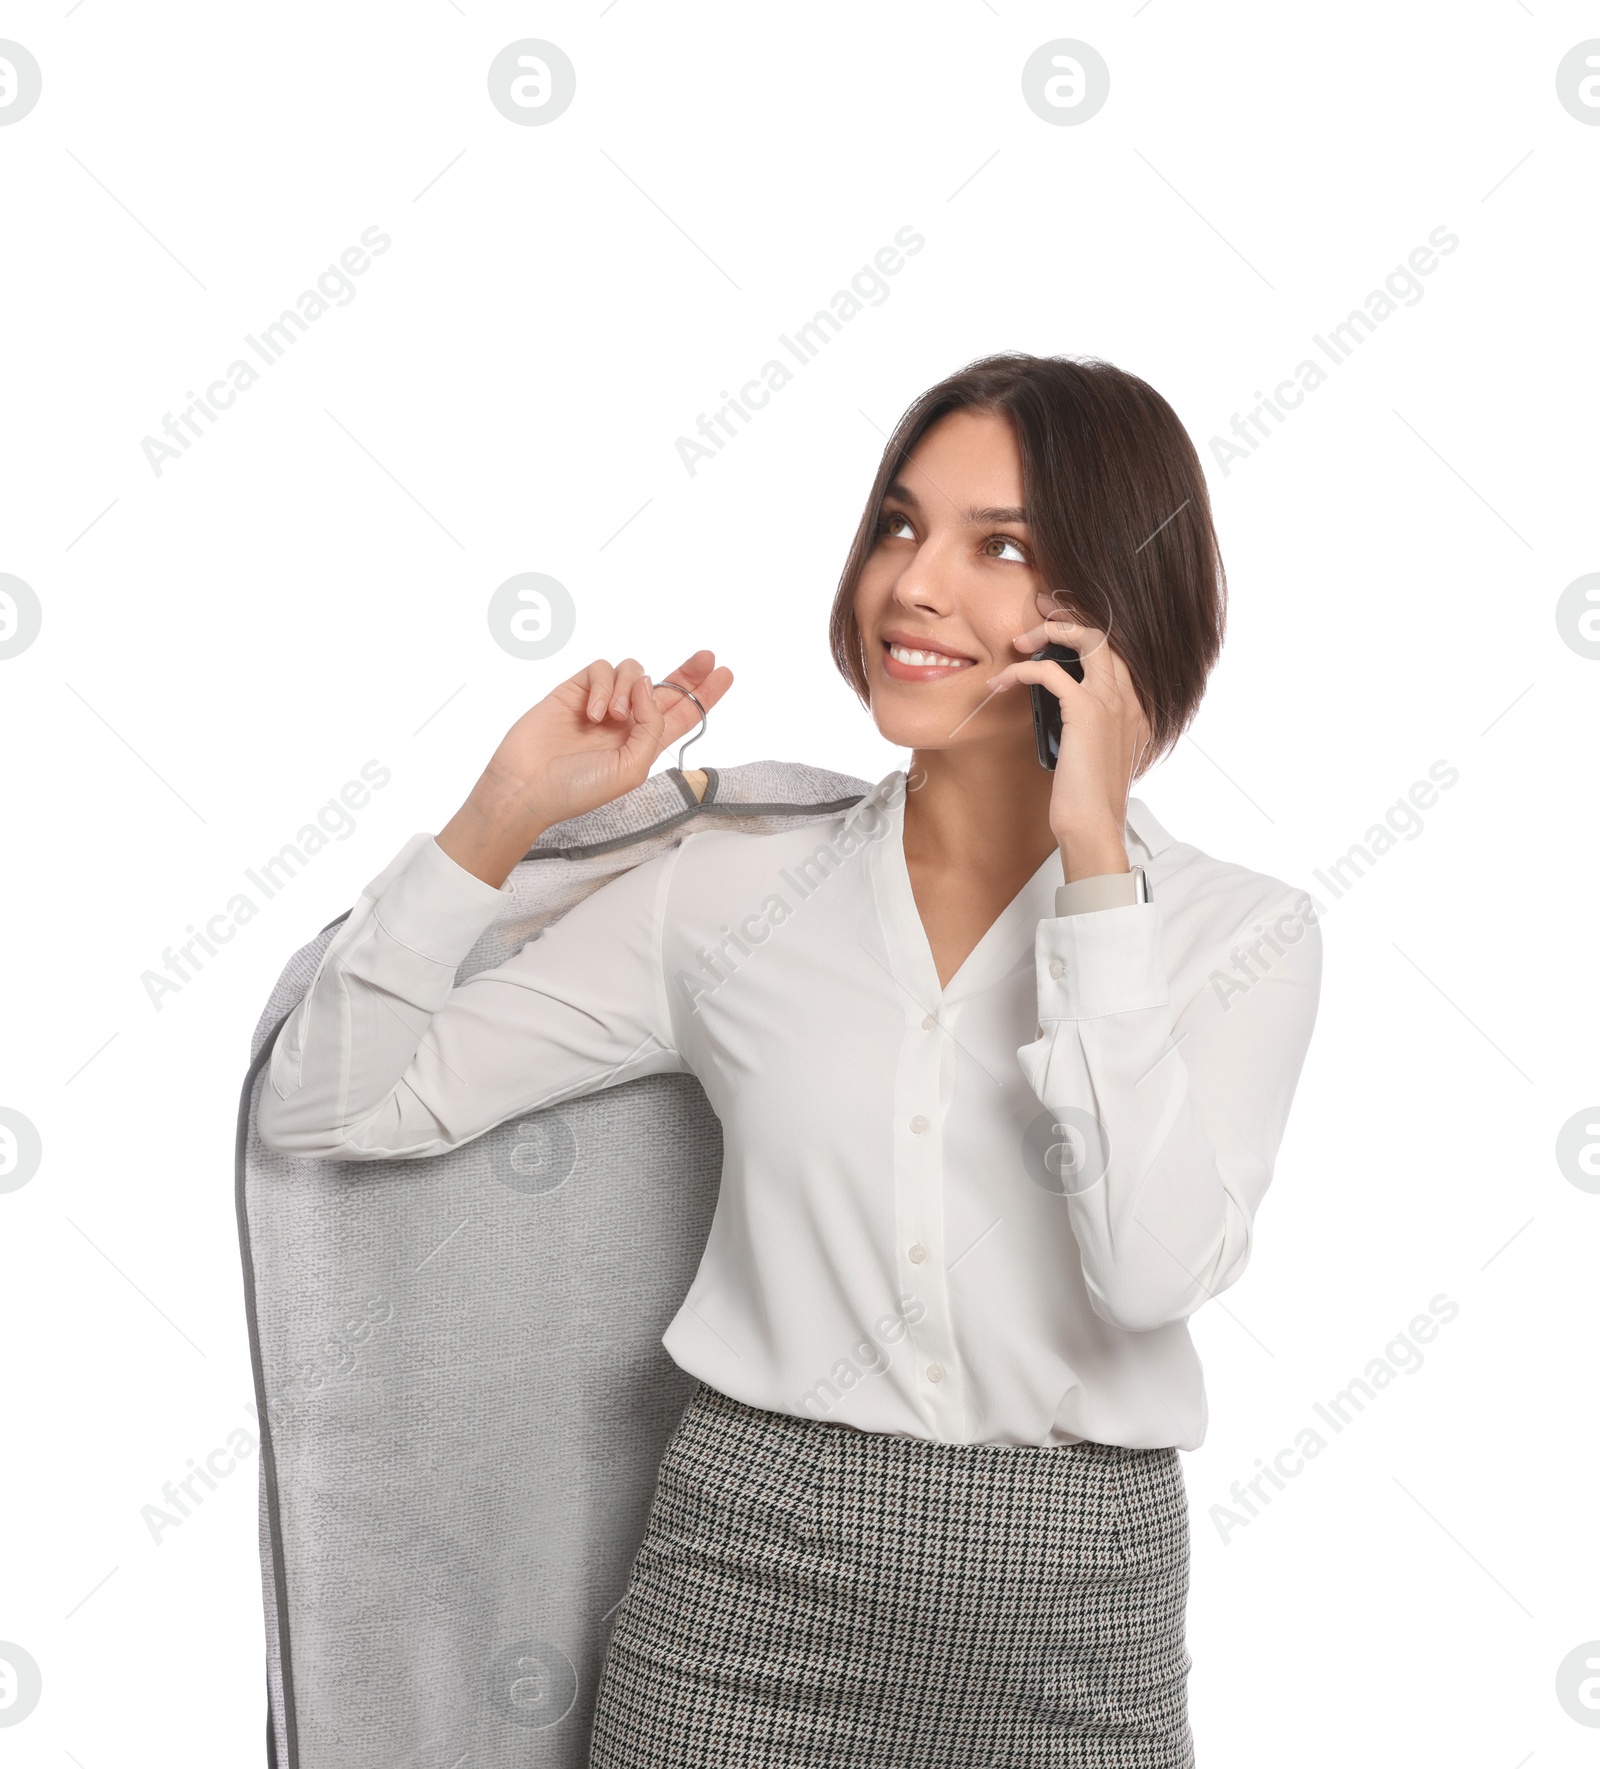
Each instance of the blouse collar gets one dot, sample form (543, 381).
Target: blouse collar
(1007, 944)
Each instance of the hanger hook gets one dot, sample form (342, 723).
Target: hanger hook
(684, 746)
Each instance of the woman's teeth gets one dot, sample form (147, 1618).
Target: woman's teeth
(925, 659)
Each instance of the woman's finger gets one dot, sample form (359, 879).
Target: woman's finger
(646, 734)
(598, 680)
(690, 674)
(1045, 672)
(714, 685)
(693, 670)
(680, 712)
(1105, 672)
(699, 675)
(628, 672)
(1087, 641)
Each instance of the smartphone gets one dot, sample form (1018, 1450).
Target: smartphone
(1047, 708)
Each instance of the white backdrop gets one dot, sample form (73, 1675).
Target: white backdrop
(230, 631)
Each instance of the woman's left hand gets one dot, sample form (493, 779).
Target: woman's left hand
(1104, 735)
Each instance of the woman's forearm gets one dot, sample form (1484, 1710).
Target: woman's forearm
(1169, 1125)
(334, 1084)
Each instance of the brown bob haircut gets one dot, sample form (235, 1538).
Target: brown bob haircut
(1117, 510)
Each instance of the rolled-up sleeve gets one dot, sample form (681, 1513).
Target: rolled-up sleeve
(386, 1056)
(1171, 1116)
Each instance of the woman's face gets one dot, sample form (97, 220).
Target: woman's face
(949, 584)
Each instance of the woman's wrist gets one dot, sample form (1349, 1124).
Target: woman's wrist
(493, 829)
(1092, 853)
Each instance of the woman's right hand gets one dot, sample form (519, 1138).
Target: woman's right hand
(587, 742)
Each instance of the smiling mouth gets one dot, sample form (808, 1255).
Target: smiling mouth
(910, 663)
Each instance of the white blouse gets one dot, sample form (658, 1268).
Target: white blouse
(976, 1214)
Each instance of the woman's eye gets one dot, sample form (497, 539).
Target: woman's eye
(896, 526)
(1002, 541)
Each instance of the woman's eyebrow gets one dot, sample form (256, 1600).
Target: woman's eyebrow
(903, 494)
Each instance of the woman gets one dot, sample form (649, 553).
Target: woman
(1002, 1070)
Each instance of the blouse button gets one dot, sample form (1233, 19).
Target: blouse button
(1057, 968)
(917, 1253)
(918, 1125)
(936, 1372)
(929, 1022)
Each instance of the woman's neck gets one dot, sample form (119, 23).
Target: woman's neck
(982, 805)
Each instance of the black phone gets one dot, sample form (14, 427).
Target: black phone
(1046, 708)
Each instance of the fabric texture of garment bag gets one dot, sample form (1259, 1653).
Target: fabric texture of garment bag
(461, 1390)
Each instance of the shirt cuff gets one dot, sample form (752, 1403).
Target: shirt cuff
(1106, 890)
(1088, 966)
(431, 905)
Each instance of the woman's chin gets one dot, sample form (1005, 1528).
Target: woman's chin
(926, 732)
(930, 727)
(914, 728)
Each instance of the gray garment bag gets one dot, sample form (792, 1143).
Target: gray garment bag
(460, 1384)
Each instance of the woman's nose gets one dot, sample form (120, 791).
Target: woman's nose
(925, 581)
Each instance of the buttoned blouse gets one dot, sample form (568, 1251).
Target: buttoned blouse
(976, 1213)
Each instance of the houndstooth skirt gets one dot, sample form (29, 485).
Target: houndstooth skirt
(810, 1595)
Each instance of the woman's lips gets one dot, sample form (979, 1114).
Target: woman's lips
(931, 665)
